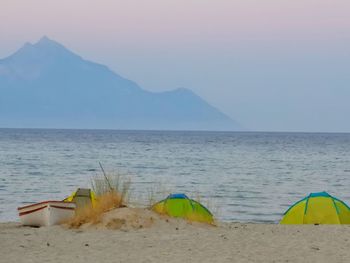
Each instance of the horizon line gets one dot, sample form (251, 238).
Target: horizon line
(172, 130)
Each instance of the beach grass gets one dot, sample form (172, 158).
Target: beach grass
(111, 182)
(112, 191)
(157, 192)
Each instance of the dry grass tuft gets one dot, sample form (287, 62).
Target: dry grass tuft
(93, 215)
(116, 182)
(111, 192)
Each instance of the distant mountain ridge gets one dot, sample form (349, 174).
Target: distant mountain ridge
(45, 85)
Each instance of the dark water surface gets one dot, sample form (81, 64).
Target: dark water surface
(243, 176)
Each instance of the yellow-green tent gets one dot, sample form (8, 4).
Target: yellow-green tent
(179, 205)
(82, 197)
(317, 208)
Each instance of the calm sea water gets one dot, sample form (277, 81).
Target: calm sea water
(247, 177)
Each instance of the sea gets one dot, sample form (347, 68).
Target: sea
(239, 176)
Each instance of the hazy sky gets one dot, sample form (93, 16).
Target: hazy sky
(269, 64)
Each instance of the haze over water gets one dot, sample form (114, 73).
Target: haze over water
(247, 177)
(272, 65)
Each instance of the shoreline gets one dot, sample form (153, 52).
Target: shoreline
(177, 241)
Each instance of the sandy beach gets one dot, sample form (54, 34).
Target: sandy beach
(156, 239)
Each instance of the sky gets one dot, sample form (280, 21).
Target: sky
(272, 65)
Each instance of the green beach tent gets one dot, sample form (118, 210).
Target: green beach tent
(317, 208)
(179, 205)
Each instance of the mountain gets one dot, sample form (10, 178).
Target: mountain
(46, 85)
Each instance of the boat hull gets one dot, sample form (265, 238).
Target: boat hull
(46, 213)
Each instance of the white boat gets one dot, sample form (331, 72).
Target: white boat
(46, 213)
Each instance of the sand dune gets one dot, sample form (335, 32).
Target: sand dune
(137, 235)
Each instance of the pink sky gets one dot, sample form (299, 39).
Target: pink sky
(178, 23)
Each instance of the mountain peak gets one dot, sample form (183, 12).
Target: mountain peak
(31, 60)
(44, 50)
(48, 44)
(44, 39)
